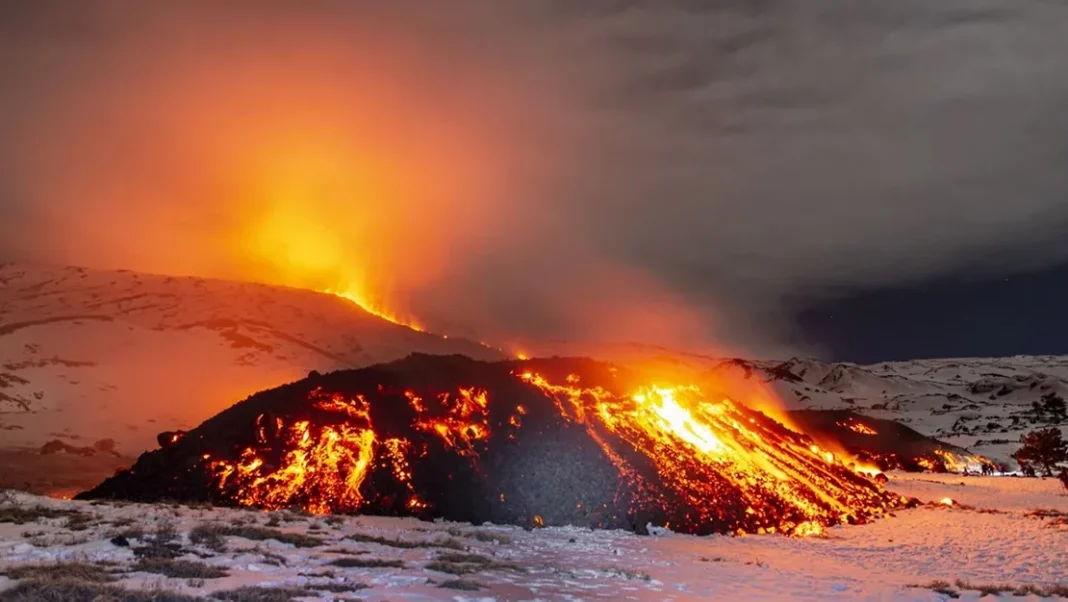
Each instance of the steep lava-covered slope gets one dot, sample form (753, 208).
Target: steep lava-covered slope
(557, 441)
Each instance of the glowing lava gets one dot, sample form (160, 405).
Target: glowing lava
(541, 442)
(376, 309)
(858, 427)
(696, 444)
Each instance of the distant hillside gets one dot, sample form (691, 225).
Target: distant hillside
(983, 404)
(89, 355)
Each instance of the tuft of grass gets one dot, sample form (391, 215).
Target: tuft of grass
(352, 562)
(179, 569)
(73, 590)
(462, 563)
(337, 588)
(490, 536)
(938, 586)
(79, 522)
(448, 542)
(257, 593)
(12, 512)
(212, 534)
(1041, 591)
(61, 571)
(461, 584)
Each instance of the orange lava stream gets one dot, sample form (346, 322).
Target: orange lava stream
(858, 427)
(693, 441)
(375, 309)
(718, 456)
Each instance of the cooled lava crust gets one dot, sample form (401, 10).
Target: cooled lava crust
(558, 441)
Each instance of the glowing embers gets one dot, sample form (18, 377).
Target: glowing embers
(465, 421)
(858, 427)
(319, 467)
(320, 470)
(720, 461)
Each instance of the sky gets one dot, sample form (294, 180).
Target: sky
(854, 180)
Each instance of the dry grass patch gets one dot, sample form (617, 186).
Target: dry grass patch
(938, 586)
(461, 563)
(461, 584)
(212, 535)
(447, 542)
(179, 569)
(490, 536)
(67, 590)
(12, 512)
(337, 588)
(1042, 591)
(352, 562)
(264, 594)
(76, 571)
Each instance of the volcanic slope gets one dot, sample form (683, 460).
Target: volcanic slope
(102, 361)
(981, 404)
(539, 442)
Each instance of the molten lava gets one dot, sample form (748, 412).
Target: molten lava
(858, 427)
(542, 442)
(694, 442)
(366, 303)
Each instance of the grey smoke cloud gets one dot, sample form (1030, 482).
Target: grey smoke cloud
(708, 160)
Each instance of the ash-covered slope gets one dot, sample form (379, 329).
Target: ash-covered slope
(89, 356)
(559, 441)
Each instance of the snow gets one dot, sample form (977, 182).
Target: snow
(986, 538)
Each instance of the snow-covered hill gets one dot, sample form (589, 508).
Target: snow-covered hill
(103, 361)
(983, 404)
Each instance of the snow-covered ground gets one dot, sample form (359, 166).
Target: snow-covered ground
(988, 538)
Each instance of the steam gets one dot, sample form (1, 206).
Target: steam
(667, 172)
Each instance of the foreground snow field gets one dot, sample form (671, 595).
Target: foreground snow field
(991, 537)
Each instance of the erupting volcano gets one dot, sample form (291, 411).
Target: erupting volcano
(538, 442)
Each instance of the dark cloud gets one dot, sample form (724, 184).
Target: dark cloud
(709, 161)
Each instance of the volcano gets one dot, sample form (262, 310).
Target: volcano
(559, 441)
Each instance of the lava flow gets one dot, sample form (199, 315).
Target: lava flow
(539, 442)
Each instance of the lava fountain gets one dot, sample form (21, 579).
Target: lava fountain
(538, 442)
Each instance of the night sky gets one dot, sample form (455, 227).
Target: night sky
(952, 316)
(853, 180)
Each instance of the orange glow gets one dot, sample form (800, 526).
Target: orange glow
(686, 434)
(858, 427)
(946, 501)
(709, 451)
(866, 469)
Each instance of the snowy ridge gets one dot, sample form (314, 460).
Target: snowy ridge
(983, 404)
(90, 355)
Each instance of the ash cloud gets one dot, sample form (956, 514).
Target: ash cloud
(672, 172)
